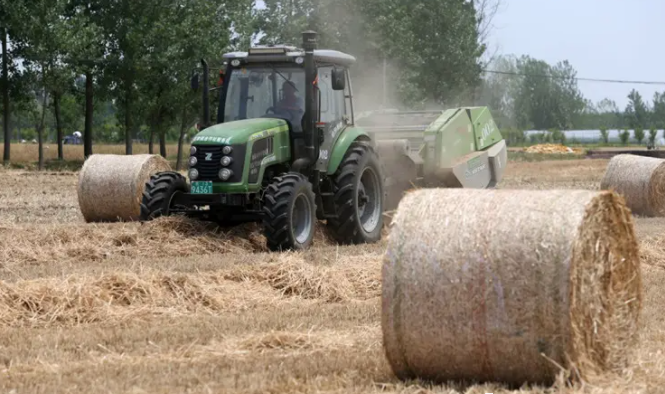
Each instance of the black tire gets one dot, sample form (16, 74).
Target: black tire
(352, 225)
(288, 194)
(158, 192)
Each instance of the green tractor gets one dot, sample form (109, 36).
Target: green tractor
(287, 151)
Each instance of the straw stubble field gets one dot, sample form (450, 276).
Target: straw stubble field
(175, 306)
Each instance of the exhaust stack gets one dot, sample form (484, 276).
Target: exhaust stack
(309, 42)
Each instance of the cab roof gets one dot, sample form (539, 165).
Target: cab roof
(283, 53)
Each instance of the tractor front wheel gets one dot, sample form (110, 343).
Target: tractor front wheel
(289, 209)
(359, 197)
(159, 192)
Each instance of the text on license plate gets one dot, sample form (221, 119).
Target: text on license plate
(202, 187)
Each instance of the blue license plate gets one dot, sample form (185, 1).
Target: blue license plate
(202, 187)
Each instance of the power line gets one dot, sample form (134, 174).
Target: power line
(575, 78)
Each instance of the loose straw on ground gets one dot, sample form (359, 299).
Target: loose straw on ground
(111, 186)
(510, 285)
(640, 180)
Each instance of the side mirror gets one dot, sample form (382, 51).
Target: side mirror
(195, 82)
(338, 79)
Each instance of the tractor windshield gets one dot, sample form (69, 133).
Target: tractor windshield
(264, 91)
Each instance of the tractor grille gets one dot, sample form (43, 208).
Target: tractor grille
(209, 169)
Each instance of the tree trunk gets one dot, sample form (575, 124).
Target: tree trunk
(183, 128)
(58, 124)
(161, 132)
(5, 96)
(87, 131)
(162, 143)
(151, 141)
(128, 117)
(40, 132)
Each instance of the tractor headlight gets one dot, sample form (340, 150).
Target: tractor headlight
(226, 160)
(193, 174)
(192, 150)
(227, 150)
(192, 161)
(225, 174)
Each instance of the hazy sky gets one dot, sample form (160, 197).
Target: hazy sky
(607, 39)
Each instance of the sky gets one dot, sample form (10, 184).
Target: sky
(607, 39)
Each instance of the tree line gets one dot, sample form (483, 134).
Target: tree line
(529, 94)
(119, 70)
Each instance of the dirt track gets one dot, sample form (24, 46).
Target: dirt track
(173, 306)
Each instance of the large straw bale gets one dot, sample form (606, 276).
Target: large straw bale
(640, 180)
(111, 186)
(510, 285)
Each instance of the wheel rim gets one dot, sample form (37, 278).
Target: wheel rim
(301, 218)
(171, 206)
(369, 207)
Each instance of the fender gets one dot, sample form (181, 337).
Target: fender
(348, 137)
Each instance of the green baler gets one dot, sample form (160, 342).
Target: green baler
(458, 147)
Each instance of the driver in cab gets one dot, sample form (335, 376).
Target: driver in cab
(290, 102)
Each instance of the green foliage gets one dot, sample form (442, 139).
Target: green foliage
(639, 135)
(514, 137)
(653, 133)
(624, 136)
(29, 134)
(604, 134)
(636, 113)
(658, 112)
(558, 136)
(546, 102)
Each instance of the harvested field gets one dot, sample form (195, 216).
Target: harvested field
(175, 306)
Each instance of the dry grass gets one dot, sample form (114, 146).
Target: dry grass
(28, 153)
(565, 174)
(176, 306)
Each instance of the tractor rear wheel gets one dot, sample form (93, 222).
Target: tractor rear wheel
(159, 192)
(289, 209)
(359, 197)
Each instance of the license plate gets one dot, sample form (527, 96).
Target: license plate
(202, 187)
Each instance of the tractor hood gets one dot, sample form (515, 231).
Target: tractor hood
(237, 132)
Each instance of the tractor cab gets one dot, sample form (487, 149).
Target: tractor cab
(272, 82)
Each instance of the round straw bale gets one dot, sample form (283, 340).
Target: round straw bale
(510, 285)
(640, 180)
(111, 186)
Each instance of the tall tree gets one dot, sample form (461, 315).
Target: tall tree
(86, 54)
(9, 18)
(5, 96)
(547, 97)
(41, 35)
(658, 114)
(636, 111)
